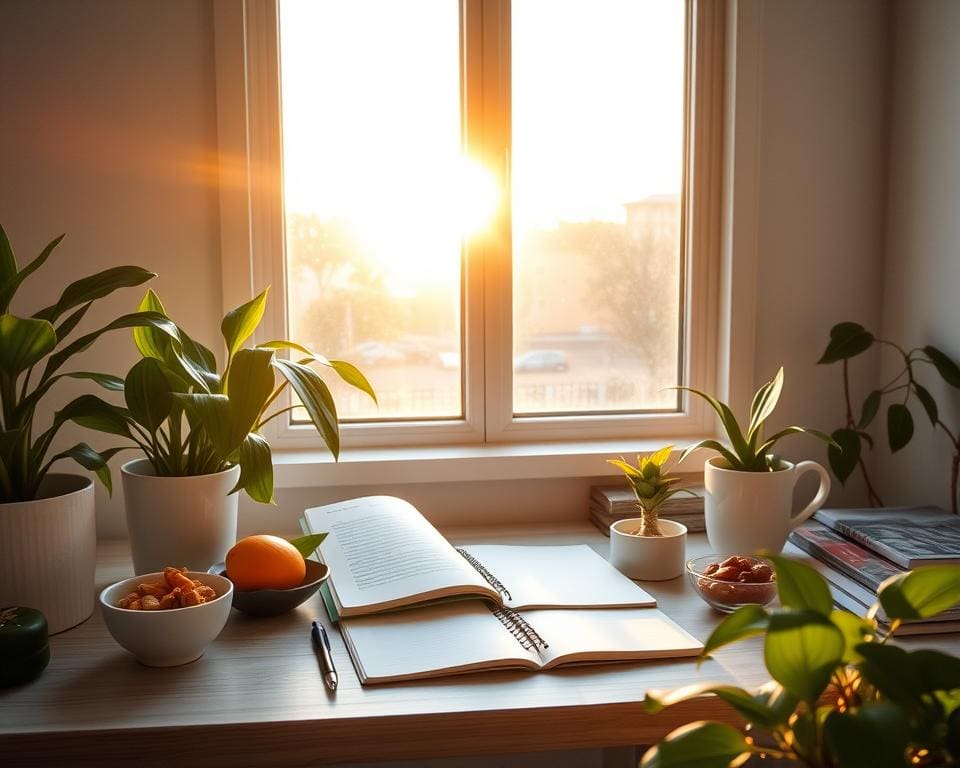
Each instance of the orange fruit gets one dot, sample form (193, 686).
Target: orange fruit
(265, 562)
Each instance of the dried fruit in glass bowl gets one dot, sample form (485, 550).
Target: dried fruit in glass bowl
(726, 583)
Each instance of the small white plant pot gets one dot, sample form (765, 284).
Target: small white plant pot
(648, 558)
(179, 521)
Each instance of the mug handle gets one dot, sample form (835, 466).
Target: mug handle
(822, 493)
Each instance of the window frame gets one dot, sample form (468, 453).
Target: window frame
(252, 233)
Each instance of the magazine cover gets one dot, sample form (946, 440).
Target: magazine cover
(846, 556)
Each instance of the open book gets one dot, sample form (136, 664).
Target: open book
(384, 555)
(469, 636)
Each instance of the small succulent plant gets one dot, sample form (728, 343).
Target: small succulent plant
(652, 486)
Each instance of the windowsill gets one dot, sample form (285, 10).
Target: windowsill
(462, 463)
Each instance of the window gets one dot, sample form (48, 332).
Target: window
(504, 213)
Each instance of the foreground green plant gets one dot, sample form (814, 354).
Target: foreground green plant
(748, 451)
(26, 342)
(189, 418)
(848, 340)
(842, 696)
(652, 487)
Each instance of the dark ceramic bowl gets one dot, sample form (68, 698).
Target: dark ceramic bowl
(273, 602)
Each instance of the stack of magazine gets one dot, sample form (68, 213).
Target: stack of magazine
(856, 550)
(609, 503)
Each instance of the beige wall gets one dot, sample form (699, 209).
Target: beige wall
(821, 192)
(922, 270)
(109, 133)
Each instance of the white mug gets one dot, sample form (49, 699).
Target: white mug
(748, 511)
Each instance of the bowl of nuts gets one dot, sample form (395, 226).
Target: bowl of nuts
(728, 583)
(167, 618)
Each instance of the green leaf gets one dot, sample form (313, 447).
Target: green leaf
(352, 376)
(105, 380)
(871, 404)
(148, 393)
(855, 631)
(801, 651)
(699, 745)
(256, 469)
(844, 460)
(307, 545)
(767, 446)
(949, 371)
(95, 287)
(763, 405)
(240, 323)
(23, 343)
(754, 708)
(899, 426)
(927, 401)
(316, 399)
(249, 385)
(730, 425)
(746, 621)
(93, 413)
(800, 586)
(133, 320)
(846, 340)
(73, 320)
(889, 669)
(8, 262)
(95, 461)
(935, 671)
(713, 445)
(150, 341)
(9, 285)
(874, 736)
(921, 593)
(212, 414)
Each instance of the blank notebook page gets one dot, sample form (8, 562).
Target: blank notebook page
(563, 576)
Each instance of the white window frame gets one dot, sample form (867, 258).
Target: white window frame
(719, 290)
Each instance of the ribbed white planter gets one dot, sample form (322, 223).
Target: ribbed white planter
(178, 521)
(48, 551)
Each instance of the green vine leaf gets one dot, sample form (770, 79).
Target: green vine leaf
(899, 426)
(871, 405)
(928, 403)
(846, 340)
(946, 367)
(843, 460)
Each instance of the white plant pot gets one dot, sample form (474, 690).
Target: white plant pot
(648, 558)
(179, 521)
(48, 551)
(749, 511)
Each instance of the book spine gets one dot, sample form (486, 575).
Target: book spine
(877, 546)
(520, 628)
(820, 551)
(480, 568)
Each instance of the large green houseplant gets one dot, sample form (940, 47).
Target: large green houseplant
(202, 424)
(47, 525)
(749, 489)
(842, 695)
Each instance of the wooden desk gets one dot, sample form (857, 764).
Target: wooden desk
(256, 696)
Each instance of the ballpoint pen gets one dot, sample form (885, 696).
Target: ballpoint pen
(322, 643)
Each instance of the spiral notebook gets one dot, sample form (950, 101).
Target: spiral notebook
(472, 636)
(384, 555)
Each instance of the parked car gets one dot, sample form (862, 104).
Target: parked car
(378, 353)
(541, 360)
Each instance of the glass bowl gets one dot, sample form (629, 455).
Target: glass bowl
(726, 596)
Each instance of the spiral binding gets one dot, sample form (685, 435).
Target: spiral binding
(520, 628)
(492, 580)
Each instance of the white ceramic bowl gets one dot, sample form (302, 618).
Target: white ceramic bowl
(172, 637)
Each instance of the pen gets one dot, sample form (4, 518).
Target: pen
(322, 643)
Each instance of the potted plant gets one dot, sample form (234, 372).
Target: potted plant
(647, 547)
(199, 430)
(47, 522)
(749, 490)
(842, 695)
